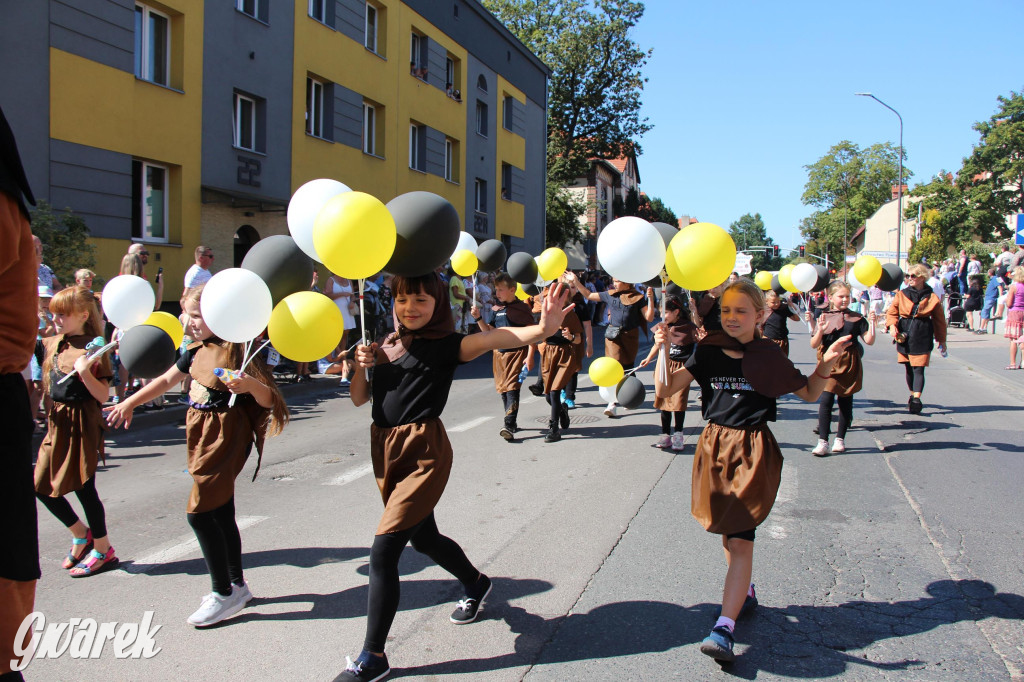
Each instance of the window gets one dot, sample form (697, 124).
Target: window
(449, 160)
(318, 10)
(369, 129)
(480, 196)
(152, 45)
(449, 74)
(481, 83)
(245, 122)
(314, 107)
(149, 201)
(371, 28)
(418, 55)
(251, 7)
(418, 147)
(481, 118)
(506, 181)
(507, 112)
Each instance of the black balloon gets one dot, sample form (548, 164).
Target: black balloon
(823, 278)
(654, 282)
(491, 255)
(280, 263)
(673, 289)
(631, 393)
(891, 279)
(428, 232)
(522, 268)
(147, 351)
(777, 286)
(666, 231)
(531, 289)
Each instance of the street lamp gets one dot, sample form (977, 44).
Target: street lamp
(899, 217)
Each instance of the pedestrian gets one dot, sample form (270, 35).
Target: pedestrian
(199, 273)
(561, 359)
(972, 303)
(916, 322)
(133, 263)
(776, 326)
(339, 290)
(457, 292)
(411, 454)
(220, 435)
(737, 467)
(1013, 328)
(847, 375)
(142, 252)
(709, 312)
(961, 272)
(508, 363)
(993, 291)
(681, 337)
(73, 444)
(580, 351)
(45, 275)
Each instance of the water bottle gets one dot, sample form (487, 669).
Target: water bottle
(523, 374)
(944, 352)
(226, 374)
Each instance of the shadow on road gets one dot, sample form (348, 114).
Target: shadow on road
(300, 557)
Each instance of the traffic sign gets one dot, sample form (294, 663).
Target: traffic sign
(742, 266)
(1020, 229)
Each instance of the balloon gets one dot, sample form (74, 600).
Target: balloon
(700, 257)
(673, 289)
(281, 264)
(305, 326)
(891, 279)
(607, 393)
(236, 305)
(464, 262)
(868, 270)
(466, 243)
(427, 232)
(531, 289)
(169, 323)
(777, 285)
(354, 235)
(851, 279)
(631, 393)
(520, 293)
(127, 301)
(492, 255)
(304, 207)
(147, 351)
(763, 280)
(785, 278)
(630, 249)
(522, 267)
(823, 278)
(606, 371)
(551, 263)
(804, 276)
(666, 231)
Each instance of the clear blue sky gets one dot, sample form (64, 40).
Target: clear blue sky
(744, 94)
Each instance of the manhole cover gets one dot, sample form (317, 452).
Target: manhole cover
(579, 419)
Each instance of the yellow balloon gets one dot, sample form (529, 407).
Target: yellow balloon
(520, 294)
(305, 326)
(169, 323)
(464, 262)
(867, 270)
(551, 263)
(785, 278)
(700, 257)
(763, 280)
(606, 372)
(354, 235)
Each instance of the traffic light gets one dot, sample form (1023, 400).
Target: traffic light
(775, 250)
(802, 250)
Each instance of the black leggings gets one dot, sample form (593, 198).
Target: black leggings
(385, 588)
(221, 543)
(555, 401)
(510, 400)
(666, 421)
(570, 390)
(825, 414)
(91, 505)
(915, 378)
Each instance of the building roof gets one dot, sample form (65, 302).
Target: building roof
(493, 21)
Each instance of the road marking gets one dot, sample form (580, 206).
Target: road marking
(351, 475)
(789, 486)
(185, 545)
(469, 425)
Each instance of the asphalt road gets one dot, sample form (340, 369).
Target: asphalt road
(900, 559)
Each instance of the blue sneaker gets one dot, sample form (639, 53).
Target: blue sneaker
(562, 395)
(570, 404)
(718, 645)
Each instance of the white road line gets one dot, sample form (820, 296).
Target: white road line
(468, 425)
(789, 486)
(527, 401)
(186, 544)
(351, 475)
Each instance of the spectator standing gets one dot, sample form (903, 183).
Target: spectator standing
(45, 276)
(1014, 327)
(142, 252)
(992, 293)
(199, 273)
(973, 266)
(961, 272)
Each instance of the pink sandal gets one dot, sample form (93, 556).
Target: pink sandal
(95, 563)
(70, 561)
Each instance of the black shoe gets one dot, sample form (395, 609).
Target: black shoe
(553, 435)
(507, 434)
(366, 668)
(537, 389)
(914, 405)
(749, 604)
(469, 606)
(563, 416)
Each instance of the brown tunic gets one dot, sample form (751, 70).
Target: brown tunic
(783, 344)
(624, 348)
(411, 463)
(902, 306)
(847, 375)
(560, 361)
(663, 399)
(507, 367)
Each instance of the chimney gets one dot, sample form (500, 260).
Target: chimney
(896, 191)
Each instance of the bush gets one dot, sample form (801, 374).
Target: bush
(65, 240)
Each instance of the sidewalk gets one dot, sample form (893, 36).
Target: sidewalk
(986, 354)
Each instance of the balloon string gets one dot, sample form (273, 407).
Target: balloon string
(247, 358)
(663, 365)
(362, 319)
(98, 353)
(474, 289)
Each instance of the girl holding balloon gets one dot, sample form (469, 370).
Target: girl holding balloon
(220, 435)
(412, 458)
(738, 464)
(681, 335)
(561, 359)
(776, 328)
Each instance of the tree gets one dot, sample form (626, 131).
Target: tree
(749, 231)
(652, 210)
(65, 238)
(930, 247)
(562, 215)
(945, 214)
(660, 213)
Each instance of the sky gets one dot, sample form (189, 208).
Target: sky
(743, 94)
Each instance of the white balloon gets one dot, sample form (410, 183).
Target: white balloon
(804, 276)
(303, 208)
(631, 250)
(607, 393)
(236, 305)
(852, 280)
(466, 241)
(128, 301)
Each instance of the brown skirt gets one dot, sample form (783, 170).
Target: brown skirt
(71, 449)
(663, 400)
(847, 374)
(913, 360)
(736, 476)
(412, 463)
(624, 348)
(219, 443)
(507, 367)
(559, 363)
(781, 343)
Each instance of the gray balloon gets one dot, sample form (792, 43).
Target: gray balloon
(280, 263)
(823, 277)
(631, 393)
(777, 286)
(147, 351)
(666, 231)
(491, 255)
(892, 277)
(428, 232)
(522, 268)
(531, 289)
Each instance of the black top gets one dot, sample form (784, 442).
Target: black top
(727, 398)
(416, 386)
(12, 174)
(711, 314)
(853, 329)
(776, 326)
(681, 353)
(218, 400)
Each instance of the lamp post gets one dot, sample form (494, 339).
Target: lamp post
(899, 190)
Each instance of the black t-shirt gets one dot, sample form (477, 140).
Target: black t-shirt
(710, 311)
(217, 399)
(853, 329)
(776, 326)
(416, 386)
(727, 398)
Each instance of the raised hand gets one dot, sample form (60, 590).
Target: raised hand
(553, 309)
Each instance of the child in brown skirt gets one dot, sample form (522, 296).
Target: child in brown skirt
(738, 465)
(562, 358)
(73, 443)
(776, 328)
(412, 457)
(681, 335)
(219, 437)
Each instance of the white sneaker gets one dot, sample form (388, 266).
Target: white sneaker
(838, 445)
(678, 441)
(243, 591)
(610, 410)
(664, 442)
(821, 449)
(214, 608)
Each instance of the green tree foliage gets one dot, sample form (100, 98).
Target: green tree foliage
(65, 241)
(653, 210)
(930, 247)
(660, 213)
(563, 213)
(946, 214)
(749, 231)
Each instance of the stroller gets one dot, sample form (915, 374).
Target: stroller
(957, 316)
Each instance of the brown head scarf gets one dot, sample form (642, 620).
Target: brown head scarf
(765, 366)
(438, 326)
